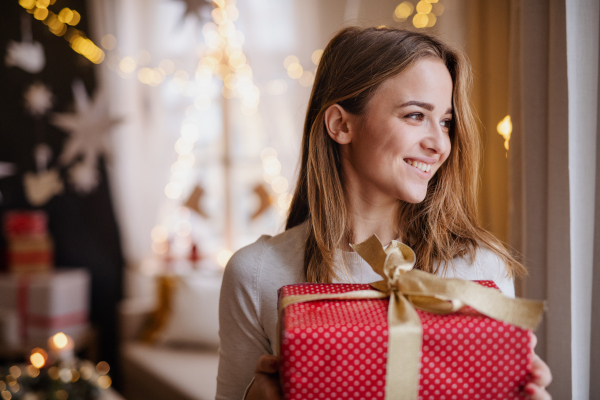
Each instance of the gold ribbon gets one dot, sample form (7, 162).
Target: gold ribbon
(409, 289)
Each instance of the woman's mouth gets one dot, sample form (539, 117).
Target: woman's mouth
(424, 167)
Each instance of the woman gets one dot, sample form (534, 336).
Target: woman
(389, 147)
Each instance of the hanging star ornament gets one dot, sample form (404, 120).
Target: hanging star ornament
(264, 198)
(193, 202)
(194, 8)
(41, 187)
(38, 99)
(88, 128)
(27, 55)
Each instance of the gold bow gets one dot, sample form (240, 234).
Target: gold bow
(408, 289)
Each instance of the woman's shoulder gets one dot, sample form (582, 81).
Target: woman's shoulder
(283, 252)
(486, 264)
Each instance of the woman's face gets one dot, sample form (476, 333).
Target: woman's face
(403, 138)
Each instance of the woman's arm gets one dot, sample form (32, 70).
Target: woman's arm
(243, 339)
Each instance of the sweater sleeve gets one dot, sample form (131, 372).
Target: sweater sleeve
(243, 339)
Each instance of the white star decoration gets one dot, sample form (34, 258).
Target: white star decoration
(38, 99)
(88, 128)
(27, 55)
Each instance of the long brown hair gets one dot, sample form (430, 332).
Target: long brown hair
(443, 226)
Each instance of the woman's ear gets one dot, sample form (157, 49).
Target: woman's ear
(339, 124)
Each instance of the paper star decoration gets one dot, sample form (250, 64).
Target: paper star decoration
(264, 198)
(40, 188)
(84, 176)
(195, 7)
(193, 202)
(27, 55)
(38, 99)
(88, 128)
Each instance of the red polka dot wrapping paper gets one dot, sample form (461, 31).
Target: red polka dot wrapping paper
(337, 349)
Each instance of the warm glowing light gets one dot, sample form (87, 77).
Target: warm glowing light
(227, 29)
(61, 394)
(27, 3)
(159, 233)
(173, 190)
(65, 375)
(272, 166)
(279, 184)
(168, 66)
(182, 146)
(223, 257)
(40, 13)
(53, 373)
(108, 41)
(268, 152)
(432, 1)
(424, 7)
(316, 56)
(289, 60)
(42, 3)
(102, 368)
(104, 382)
(232, 12)
(2, 386)
(237, 59)
(15, 371)
(403, 11)
(186, 160)
(306, 79)
(6, 395)
(432, 20)
(420, 20)
(65, 15)
(505, 129)
(86, 372)
(219, 15)
(284, 200)
(127, 65)
(143, 57)
(60, 340)
(181, 76)
(76, 18)
(75, 375)
(295, 70)
(33, 371)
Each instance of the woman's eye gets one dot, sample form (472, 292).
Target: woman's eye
(415, 116)
(446, 123)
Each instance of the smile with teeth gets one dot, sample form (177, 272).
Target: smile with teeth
(420, 165)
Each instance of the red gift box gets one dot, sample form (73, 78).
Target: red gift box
(29, 247)
(337, 349)
(25, 223)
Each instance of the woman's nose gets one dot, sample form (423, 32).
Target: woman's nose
(437, 140)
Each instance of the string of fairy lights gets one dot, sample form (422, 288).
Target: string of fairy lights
(63, 25)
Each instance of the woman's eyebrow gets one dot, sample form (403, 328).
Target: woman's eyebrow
(427, 106)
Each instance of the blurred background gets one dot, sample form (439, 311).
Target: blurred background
(142, 142)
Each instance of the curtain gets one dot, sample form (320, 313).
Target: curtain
(553, 180)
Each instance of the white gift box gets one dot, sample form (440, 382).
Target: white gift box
(44, 304)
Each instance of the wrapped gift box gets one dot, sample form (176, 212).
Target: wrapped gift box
(30, 254)
(29, 247)
(44, 304)
(337, 349)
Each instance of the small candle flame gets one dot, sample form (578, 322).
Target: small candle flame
(60, 340)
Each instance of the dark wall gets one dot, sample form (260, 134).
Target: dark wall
(83, 226)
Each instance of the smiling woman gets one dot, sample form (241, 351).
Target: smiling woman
(389, 147)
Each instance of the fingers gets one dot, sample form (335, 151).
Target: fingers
(540, 372)
(267, 364)
(533, 340)
(535, 392)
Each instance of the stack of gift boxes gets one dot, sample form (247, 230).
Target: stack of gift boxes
(36, 299)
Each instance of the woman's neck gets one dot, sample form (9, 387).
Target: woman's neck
(368, 218)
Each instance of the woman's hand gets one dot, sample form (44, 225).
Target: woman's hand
(266, 384)
(541, 378)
